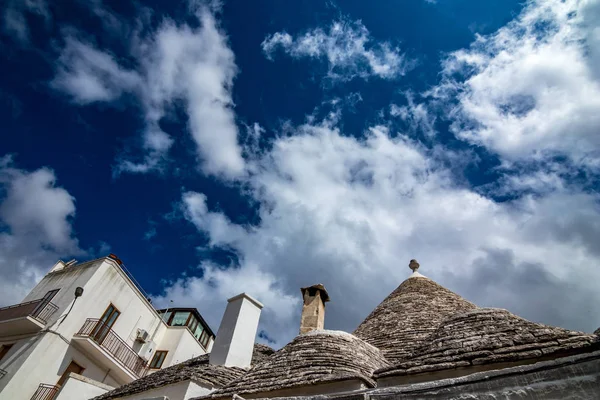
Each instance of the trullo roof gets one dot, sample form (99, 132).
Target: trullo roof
(408, 315)
(487, 336)
(319, 356)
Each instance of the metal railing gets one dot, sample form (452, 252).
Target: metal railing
(45, 392)
(39, 309)
(106, 338)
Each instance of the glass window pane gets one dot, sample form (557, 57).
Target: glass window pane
(158, 359)
(180, 318)
(165, 316)
(204, 339)
(192, 323)
(198, 331)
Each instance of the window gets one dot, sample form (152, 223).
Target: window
(204, 339)
(50, 295)
(180, 318)
(72, 367)
(105, 323)
(45, 301)
(4, 349)
(158, 359)
(165, 316)
(192, 323)
(198, 331)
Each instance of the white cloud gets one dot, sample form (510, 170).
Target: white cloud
(532, 89)
(90, 75)
(348, 48)
(417, 116)
(350, 214)
(175, 63)
(35, 216)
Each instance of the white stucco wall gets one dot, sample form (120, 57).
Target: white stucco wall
(44, 362)
(67, 280)
(109, 285)
(13, 361)
(180, 344)
(197, 390)
(77, 387)
(178, 391)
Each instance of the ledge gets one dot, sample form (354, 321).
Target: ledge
(248, 297)
(89, 381)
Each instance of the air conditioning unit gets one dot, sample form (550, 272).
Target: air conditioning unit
(147, 349)
(142, 336)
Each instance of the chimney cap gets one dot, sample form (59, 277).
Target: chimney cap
(318, 286)
(248, 297)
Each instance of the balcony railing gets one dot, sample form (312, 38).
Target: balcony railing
(106, 338)
(45, 392)
(39, 309)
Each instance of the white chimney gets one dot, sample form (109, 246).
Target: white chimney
(234, 343)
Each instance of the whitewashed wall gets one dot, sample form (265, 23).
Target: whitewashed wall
(45, 362)
(178, 391)
(180, 344)
(77, 387)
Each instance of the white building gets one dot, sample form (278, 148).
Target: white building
(87, 328)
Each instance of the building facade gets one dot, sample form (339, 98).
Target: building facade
(90, 321)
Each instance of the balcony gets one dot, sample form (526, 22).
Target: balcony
(25, 318)
(100, 342)
(45, 392)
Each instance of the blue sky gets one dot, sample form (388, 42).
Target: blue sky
(221, 147)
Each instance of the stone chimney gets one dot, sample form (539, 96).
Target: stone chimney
(235, 339)
(313, 310)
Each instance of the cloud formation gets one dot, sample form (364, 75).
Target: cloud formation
(174, 63)
(35, 217)
(348, 49)
(351, 213)
(531, 90)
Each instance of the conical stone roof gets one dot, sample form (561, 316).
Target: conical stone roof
(486, 336)
(316, 357)
(408, 315)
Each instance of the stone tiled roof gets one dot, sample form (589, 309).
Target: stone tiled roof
(197, 368)
(486, 336)
(318, 356)
(408, 315)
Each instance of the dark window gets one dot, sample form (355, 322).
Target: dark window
(105, 323)
(50, 295)
(72, 367)
(158, 359)
(45, 300)
(4, 349)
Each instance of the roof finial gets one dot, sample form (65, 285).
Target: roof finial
(414, 265)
